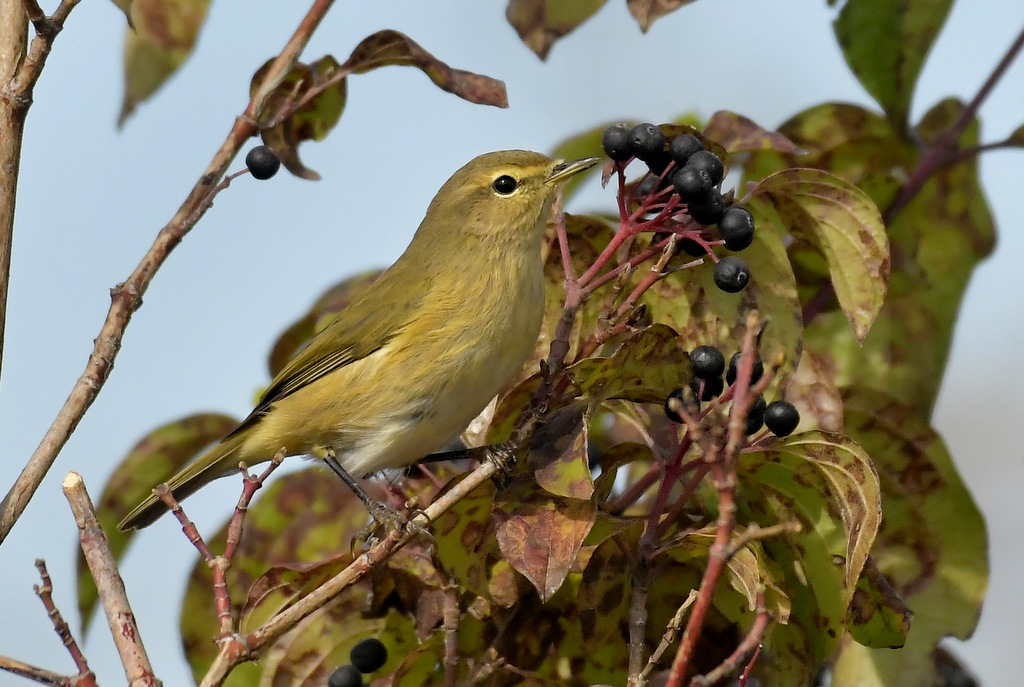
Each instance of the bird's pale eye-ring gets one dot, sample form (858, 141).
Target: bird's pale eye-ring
(505, 184)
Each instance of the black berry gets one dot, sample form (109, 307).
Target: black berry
(709, 162)
(781, 418)
(678, 399)
(345, 676)
(369, 655)
(658, 162)
(646, 141)
(707, 362)
(683, 147)
(691, 184)
(731, 274)
(755, 416)
(755, 372)
(691, 247)
(615, 141)
(712, 388)
(736, 228)
(709, 209)
(646, 187)
(262, 162)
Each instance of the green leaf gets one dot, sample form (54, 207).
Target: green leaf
(736, 133)
(886, 43)
(646, 368)
(843, 223)
(395, 48)
(164, 34)
(932, 545)
(154, 459)
(690, 303)
(646, 12)
(827, 483)
(541, 534)
(540, 23)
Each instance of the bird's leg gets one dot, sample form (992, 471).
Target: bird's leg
(381, 514)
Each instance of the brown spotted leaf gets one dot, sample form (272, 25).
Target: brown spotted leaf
(468, 549)
(154, 459)
(932, 545)
(842, 222)
(540, 23)
(878, 618)
(164, 34)
(646, 12)
(540, 534)
(827, 483)
(394, 48)
(736, 133)
(886, 43)
(312, 120)
(326, 307)
(646, 368)
(558, 454)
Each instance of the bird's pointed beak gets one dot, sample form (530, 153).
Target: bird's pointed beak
(563, 170)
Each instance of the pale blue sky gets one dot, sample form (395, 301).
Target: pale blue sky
(91, 200)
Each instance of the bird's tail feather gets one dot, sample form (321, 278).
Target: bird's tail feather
(216, 462)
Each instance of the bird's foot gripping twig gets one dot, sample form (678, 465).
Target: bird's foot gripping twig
(382, 514)
(503, 457)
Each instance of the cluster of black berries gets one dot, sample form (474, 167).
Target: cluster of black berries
(708, 364)
(262, 162)
(367, 656)
(695, 174)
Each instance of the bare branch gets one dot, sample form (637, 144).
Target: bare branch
(109, 585)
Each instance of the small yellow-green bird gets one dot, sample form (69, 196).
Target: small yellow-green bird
(404, 368)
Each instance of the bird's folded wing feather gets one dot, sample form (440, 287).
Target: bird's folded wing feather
(359, 330)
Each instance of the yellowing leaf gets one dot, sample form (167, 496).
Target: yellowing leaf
(886, 43)
(827, 483)
(312, 120)
(646, 368)
(164, 34)
(540, 23)
(932, 545)
(844, 224)
(646, 12)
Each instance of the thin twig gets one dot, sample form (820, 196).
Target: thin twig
(40, 675)
(60, 626)
(748, 646)
(671, 632)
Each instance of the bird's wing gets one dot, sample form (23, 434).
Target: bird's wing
(364, 327)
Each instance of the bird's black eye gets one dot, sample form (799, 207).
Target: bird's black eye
(505, 184)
